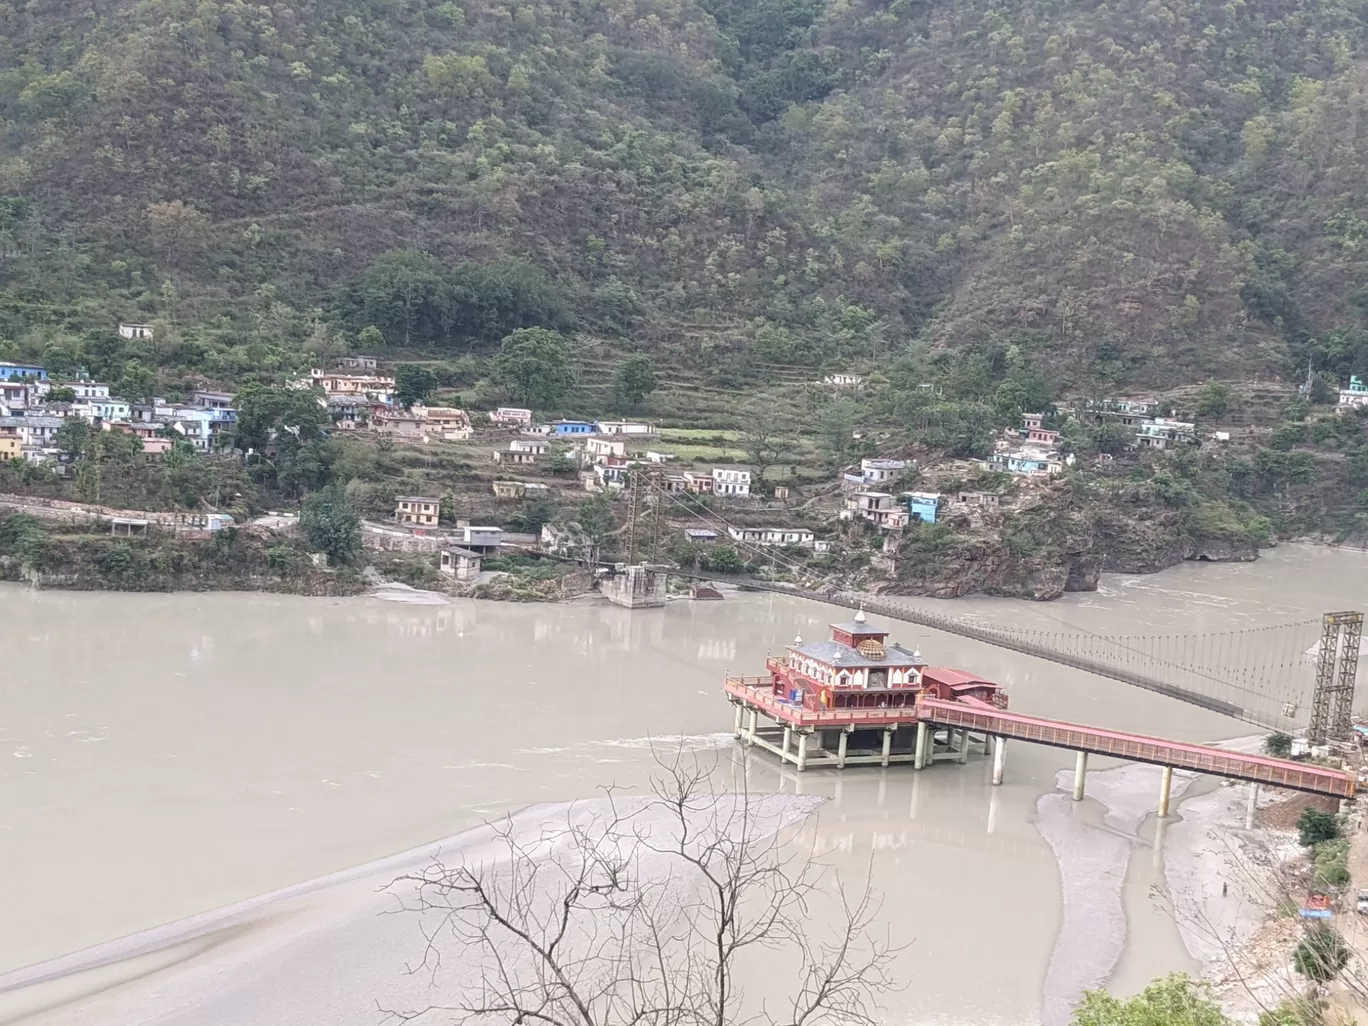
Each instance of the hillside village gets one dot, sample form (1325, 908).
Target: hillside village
(899, 517)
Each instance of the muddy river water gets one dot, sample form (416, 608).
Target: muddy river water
(163, 755)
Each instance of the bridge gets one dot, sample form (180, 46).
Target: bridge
(934, 728)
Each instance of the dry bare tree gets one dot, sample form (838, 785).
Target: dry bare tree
(649, 911)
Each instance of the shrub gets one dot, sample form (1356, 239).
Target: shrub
(1332, 863)
(1321, 955)
(1278, 745)
(1315, 827)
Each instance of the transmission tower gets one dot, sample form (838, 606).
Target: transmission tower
(1332, 703)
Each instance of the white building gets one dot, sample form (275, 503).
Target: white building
(135, 331)
(602, 448)
(85, 389)
(623, 427)
(769, 536)
(843, 380)
(731, 482)
(877, 472)
(511, 415)
(1356, 394)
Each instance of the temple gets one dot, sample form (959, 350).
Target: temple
(853, 699)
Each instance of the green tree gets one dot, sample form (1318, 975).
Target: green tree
(635, 380)
(1278, 745)
(73, 437)
(1215, 399)
(1171, 1001)
(137, 383)
(558, 459)
(534, 365)
(402, 294)
(61, 394)
(266, 413)
(1314, 827)
(331, 524)
(1321, 954)
(413, 383)
(370, 338)
(594, 519)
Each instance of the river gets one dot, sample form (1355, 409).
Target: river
(163, 755)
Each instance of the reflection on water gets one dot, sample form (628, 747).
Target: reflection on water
(161, 755)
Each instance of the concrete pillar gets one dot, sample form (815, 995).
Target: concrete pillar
(1252, 807)
(1080, 775)
(754, 723)
(736, 726)
(802, 750)
(841, 749)
(784, 745)
(1157, 856)
(964, 745)
(999, 758)
(887, 744)
(1165, 789)
(923, 743)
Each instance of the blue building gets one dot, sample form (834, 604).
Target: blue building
(920, 505)
(16, 371)
(572, 427)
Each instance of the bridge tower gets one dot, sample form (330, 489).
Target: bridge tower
(645, 515)
(1332, 703)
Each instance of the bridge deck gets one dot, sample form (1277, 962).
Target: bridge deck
(984, 719)
(1137, 747)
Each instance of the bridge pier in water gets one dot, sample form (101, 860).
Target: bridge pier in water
(1080, 775)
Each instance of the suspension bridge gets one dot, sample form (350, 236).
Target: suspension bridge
(1287, 677)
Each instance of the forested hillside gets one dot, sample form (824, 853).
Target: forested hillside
(1130, 193)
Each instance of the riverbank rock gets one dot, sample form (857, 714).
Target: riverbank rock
(1063, 543)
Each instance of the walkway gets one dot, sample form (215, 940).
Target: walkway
(1296, 776)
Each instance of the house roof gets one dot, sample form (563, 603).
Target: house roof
(857, 627)
(699, 532)
(834, 653)
(417, 498)
(953, 677)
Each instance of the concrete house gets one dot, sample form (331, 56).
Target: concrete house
(364, 363)
(513, 415)
(920, 506)
(135, 331)
(731, 482)
(843, 380)
(212, 400)
(509, 489)
(879, 472)
(535, 446)
(563, 428)
(515, 457)
(624, 427)
(771, 536)
(602, 448)
(462, 564)
(444, 422)
(417, 510)
(20, 371)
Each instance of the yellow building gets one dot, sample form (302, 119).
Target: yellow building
(421, 511)
(10, 447)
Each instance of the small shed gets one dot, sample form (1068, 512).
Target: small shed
(128, 526)
(462, 564)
